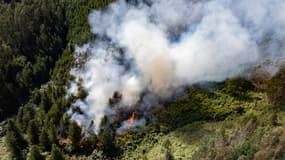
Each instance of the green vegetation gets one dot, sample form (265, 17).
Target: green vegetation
(15, 141)
(33, 132)
(74, 136)
(256, 133)
(36, 38)
(35, 154)
(276, 88)
(32, 37)
(56, 154)
(235, 119)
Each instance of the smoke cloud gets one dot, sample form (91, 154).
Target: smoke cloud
(146, 51)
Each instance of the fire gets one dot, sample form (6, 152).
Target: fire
(65, 141)
(131, 120)
(81, 143)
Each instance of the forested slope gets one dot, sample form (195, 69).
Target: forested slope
(235, 119)
(33, 36)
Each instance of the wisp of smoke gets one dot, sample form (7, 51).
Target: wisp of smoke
(151, 49)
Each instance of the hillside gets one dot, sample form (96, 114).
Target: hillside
(142, 80)
(219, 127)
(254, 131)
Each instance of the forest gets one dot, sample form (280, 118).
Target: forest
(238, 118)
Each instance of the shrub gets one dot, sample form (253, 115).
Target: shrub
(56, 153)
(74, 135)
(276, 88)
(237, 87)
(35, 154)
(33, 132)
(245, 151)
(44, 140)
(15, 141)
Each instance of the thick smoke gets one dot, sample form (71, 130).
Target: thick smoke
(148, 50)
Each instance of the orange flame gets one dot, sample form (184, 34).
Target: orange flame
(65, 141)
(131, 120)
(81, 143)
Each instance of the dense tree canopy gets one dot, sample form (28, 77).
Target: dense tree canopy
(37, 39)
(36, 53)
(32, 35)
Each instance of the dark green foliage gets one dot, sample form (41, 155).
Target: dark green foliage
(52, 134)
(237, 87)
(33, 132)
(45, 103)
(28, 114)
(274, 119)
(60, 74)
(44, 140)
(246, 150)
(74, 134)
(37, 39)
(32, 35)
(35, 154)
(200, 104)
(19, 118)
(183, 111)
(77, 18)
(55, 113)
(14, 140)
(91, 143)
(276, 88)
(106, 138)
(56, 153)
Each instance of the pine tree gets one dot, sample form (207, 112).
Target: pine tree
(52, 134)
(28, 115)
(74, 134)
(106, 138)
(44, 140)
(35, 154)
(56, 153)
(13, 4)
(33, 132)
(54, 114)
(275, 89)
(45, 102)
(14, 140)
(19, 117)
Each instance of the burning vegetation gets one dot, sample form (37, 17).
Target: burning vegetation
(64, 141)
(129, 79)
(131, 120)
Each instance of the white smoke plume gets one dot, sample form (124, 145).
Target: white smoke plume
(159, 46)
